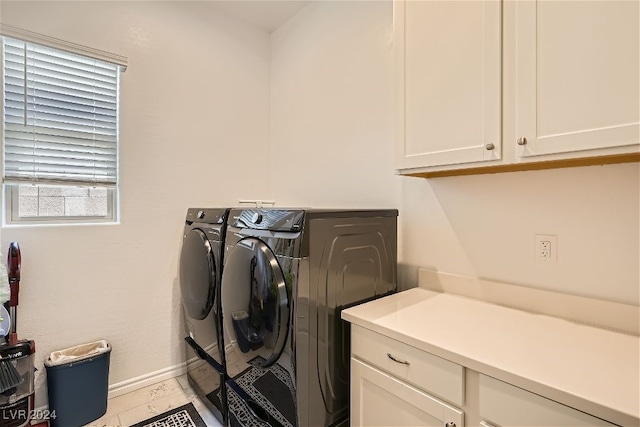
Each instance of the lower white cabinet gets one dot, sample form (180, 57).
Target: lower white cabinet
(379, 399)
(507, 405)
(440, 377)
(395, 384)
(421, 358)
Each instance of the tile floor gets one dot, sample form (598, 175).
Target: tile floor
(152, 400)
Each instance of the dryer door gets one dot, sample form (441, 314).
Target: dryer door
(199, 286)
(255, 304)
(197, 275)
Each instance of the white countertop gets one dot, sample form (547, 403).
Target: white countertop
(591, 369)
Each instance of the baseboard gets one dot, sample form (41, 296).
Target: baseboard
(137, 383)
(604, 314)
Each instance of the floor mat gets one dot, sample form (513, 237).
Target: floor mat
(276, 392)
(272, 388)
(184, 416)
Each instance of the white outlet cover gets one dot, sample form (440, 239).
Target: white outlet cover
(540, 249)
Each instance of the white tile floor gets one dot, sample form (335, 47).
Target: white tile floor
(152, 400)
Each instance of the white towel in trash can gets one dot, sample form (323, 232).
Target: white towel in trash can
(79, 352)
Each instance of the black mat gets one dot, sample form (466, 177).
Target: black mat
(278, 394)
(273, 385)
(184, 416)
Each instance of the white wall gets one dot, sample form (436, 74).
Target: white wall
(332, 107)
(332, 141)
(195, 96)
(484, 226)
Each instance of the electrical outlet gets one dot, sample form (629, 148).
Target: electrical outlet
(546, 249)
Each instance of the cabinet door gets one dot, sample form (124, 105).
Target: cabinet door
(378, 399)
(508, 406)
(448, 82)
(577, 76)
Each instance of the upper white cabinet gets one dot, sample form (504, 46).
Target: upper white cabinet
(577, 75)
(448, 65)
(508, 84)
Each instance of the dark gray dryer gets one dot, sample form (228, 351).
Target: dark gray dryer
(200, 275)
(288, 273)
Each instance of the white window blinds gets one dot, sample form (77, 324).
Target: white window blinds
(60, 116)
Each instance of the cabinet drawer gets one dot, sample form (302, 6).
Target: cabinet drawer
(431, 373)
(508, 405)
(379, 399)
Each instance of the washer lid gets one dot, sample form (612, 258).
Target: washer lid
(197, 274)
(255, 302)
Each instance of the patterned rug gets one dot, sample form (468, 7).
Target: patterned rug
(184, 416)
(272, 388)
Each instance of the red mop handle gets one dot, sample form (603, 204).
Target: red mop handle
(13, 263)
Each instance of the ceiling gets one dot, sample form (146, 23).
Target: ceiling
(265, 14)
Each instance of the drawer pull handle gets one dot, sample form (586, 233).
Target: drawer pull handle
(404, 362)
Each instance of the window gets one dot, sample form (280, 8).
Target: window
(60, 135)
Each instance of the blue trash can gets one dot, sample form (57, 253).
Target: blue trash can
(78, 384)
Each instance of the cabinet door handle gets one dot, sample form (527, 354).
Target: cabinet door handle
(404, 362)
(522, 141)
(490, 146)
